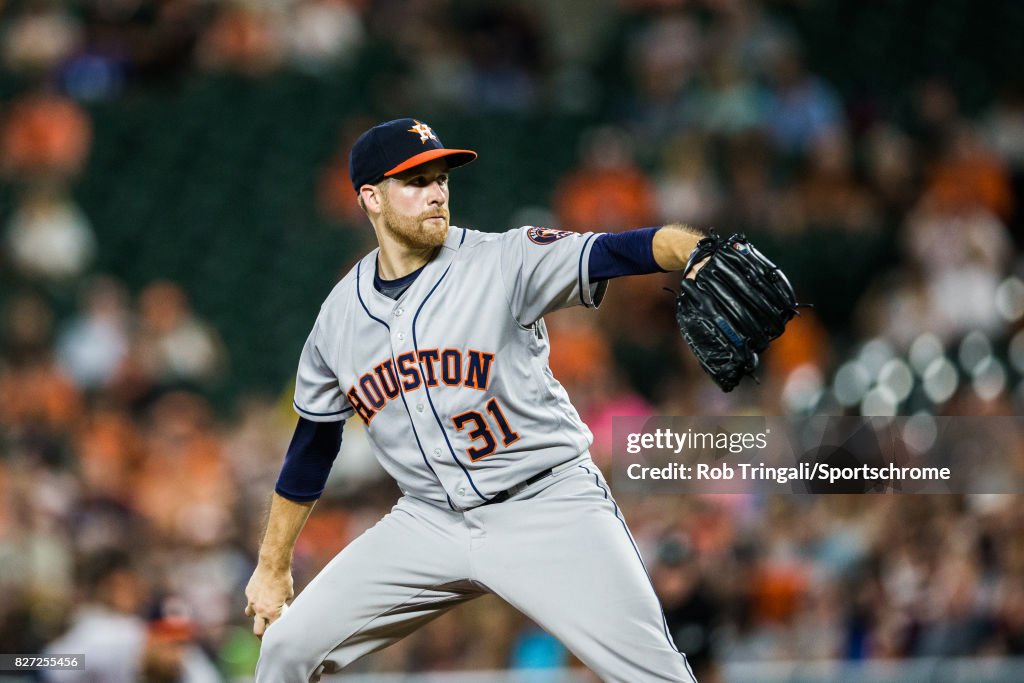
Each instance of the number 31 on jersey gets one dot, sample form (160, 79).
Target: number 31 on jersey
(481, 430)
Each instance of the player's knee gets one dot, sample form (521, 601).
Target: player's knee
(283, 657)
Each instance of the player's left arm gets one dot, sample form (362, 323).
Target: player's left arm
(643, 251)
(672, 245)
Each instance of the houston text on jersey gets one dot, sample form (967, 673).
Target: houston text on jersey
(451, 367)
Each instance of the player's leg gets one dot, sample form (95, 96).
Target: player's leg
(564, 557)
(408, 569)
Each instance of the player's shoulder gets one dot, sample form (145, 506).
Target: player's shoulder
(471, 239)
(340, 299)
(531, 233)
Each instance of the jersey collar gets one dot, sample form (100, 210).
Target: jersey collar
(428, 276)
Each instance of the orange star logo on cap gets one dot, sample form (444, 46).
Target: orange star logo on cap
(424, 131)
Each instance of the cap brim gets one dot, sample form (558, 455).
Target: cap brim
(455, 157)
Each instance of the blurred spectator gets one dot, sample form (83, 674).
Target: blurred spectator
(45, 137)
(819, 628)
(750, 33)
(49, 238)
(141, 40)
(1010, 616)
(1003, 128)
(728, 103)
(891, 171)
(171, 655)
(963, 253)
(664, 55)
(755, 203)
(119, 646)
(40, 37)
(804, 107)
(255, 445)
(687, 190)
(576, 34)
(174, 344)
(27, 328)
(607, 192)
(107, 627)
(503, 43)
(243, 38)
(323, 33)
(184, 486)
(33, 392)
(967, 176)
(109, 449)
(828, 196)
(444, 647)
(954, 626)
(94, 343)
(691, 611)
(935, 112)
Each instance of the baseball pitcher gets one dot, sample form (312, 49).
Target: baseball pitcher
(436, 342)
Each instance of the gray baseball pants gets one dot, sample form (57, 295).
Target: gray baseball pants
(558, 551)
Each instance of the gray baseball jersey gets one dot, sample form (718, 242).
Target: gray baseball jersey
(452, 379)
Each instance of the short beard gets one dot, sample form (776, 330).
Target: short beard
(414, 233)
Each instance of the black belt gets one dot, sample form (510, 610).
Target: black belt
(509, 492)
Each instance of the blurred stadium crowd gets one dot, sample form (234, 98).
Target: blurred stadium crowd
(142, 424)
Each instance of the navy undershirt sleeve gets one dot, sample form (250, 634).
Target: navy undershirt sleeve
(308, 462)
(623, 253)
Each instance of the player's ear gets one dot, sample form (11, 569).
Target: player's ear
(370, 198)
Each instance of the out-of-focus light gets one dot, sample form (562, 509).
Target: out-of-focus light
(879, 402)
(940, 380)
(91, 78)
(874, 354)
(896, 375)
(923, 351)
(920, 432)
(1010, 298)
(974, 349)
(851, 383)
(989, 379)
(802, 389)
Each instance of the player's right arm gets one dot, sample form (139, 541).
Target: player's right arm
(311, 453)
(322, 409)
(270, 586)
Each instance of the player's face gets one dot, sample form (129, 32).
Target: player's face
(414, 205)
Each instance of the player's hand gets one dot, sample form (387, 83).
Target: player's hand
(696, 268)
(268, 593)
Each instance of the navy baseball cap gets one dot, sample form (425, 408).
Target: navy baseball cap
(395, 146)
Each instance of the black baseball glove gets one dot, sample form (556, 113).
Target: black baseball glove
(735, 305)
